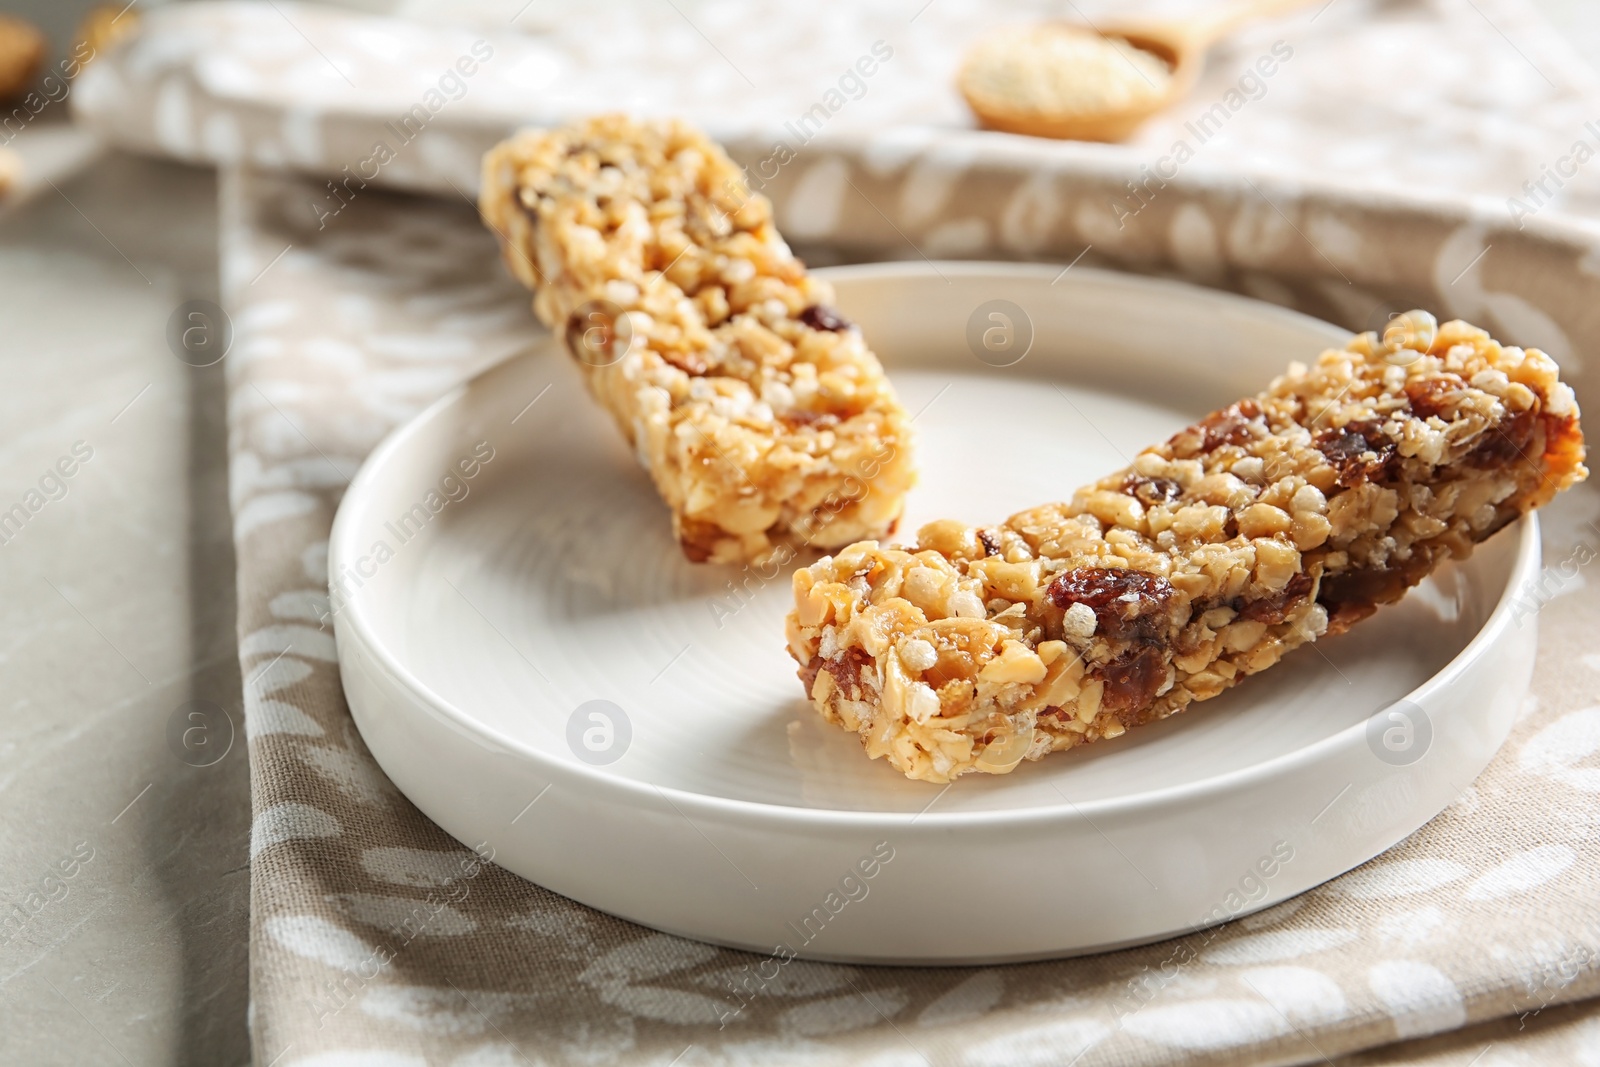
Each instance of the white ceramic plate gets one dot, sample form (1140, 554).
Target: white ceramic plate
(484, 632)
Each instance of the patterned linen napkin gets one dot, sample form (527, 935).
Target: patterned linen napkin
(378, 939)
(1459, 96)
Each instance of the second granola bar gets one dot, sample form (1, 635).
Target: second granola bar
(760, 413)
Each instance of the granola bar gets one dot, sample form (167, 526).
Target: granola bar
(759, 411)
(1266, 525)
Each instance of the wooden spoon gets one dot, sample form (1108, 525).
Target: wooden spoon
(1181, 45)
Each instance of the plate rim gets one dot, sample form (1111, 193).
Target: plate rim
(355, 625)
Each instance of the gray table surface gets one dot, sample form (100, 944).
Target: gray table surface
(117, 603)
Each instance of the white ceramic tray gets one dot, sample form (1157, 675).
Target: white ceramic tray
(537, 668)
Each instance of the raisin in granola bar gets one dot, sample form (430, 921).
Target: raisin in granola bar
(1266, 525)
(759, 411)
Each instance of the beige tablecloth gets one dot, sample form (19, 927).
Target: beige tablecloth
(1492, 909)
(377, 939)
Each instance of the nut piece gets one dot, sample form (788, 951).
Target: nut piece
(102, 28)
(22, 49)
(10, 171)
